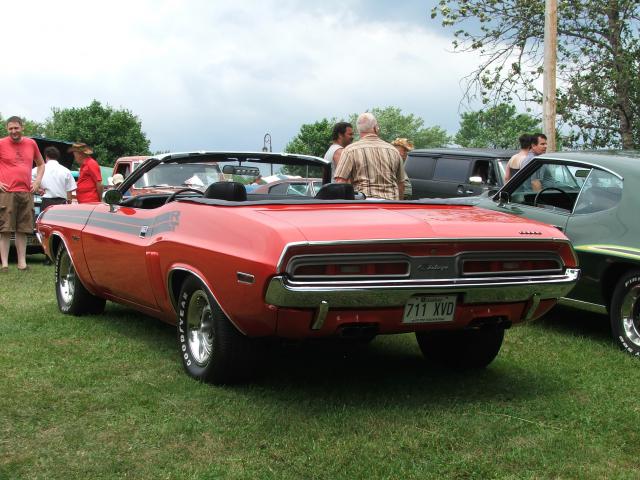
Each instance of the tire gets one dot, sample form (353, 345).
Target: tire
(465, 349)
(72, 297)
(625, 313)
(211, 348)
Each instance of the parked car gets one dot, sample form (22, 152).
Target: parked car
(455, 172)
(591, 197)
(232, 269)
(291, 186)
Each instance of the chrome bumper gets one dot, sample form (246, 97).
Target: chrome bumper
(282, 292)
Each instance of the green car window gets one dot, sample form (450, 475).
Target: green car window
(601, 191)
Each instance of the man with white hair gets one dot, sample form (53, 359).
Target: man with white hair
(373, 166)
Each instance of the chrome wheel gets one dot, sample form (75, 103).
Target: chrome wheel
(630, 315)
(200, 327)
(66, 278)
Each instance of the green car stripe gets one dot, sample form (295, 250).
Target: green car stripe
(615, 250)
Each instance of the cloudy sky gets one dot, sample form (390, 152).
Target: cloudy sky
(219, 74)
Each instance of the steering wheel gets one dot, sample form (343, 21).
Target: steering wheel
(173, 196)
(566, 195)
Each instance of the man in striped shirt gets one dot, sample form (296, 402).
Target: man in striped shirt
(373, 166)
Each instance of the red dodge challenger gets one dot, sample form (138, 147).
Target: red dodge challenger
(231, 269)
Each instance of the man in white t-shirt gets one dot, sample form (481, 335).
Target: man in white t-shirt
(57, 183)
(342, 135)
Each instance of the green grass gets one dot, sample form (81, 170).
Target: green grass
(106, 397)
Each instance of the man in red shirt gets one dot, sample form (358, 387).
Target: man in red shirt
(89, 185)
(17, 155)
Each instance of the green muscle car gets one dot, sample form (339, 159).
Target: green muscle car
(593, 197)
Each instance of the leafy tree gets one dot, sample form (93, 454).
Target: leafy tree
(598, 60)
(315, 138)
(111, 133)
(393, 124)
(496, 127)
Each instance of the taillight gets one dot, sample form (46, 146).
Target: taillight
(352, 269)
(321, 267)
(510, 266)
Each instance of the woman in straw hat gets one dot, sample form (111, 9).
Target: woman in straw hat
(90, 179)
(404, 146)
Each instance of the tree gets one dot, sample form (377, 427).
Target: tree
(393, 124)
(111, 133)
(315, 138)
(496, 127)
(598, 60)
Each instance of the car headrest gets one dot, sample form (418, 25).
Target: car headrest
(336, 191)
(231, 191)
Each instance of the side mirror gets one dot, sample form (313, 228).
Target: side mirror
(112, 198)
(502, 198)
(475, 180)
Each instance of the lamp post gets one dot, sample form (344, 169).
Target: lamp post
(266, 143)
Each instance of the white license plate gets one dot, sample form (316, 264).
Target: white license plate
(429, 309)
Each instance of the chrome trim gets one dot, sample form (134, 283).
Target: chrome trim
(535, 303)
(408, 240)
(174, 300)
(586, 306)
(580, 163)
(245, 278)
(321, 315)
(283, 292)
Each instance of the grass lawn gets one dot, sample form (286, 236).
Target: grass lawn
(106, 397)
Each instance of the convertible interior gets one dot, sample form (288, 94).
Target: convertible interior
(237, 193)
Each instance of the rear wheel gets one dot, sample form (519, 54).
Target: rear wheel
(461, 349)
(72, 297)
(625, 313)
(211, 348)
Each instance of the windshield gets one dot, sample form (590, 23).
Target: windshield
(181, 175)
(271, 172)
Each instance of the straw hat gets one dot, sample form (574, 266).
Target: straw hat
(80, 148)
(404, 143)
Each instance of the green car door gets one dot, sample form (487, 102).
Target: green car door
(548, 194)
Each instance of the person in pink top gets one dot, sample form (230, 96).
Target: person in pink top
(17, 155)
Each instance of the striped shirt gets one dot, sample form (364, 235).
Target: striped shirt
(373, 166)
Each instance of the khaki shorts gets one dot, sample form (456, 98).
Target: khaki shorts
(16, 212)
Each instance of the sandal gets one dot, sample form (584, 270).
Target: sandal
(4, 270)
(24, 269)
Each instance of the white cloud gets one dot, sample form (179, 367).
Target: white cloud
(218, 74)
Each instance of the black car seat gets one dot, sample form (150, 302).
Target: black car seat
(336, 191)
(230, 191)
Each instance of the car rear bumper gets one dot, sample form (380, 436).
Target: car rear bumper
(326, 297)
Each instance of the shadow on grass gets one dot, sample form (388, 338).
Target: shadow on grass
(569, 321)
(389, 370)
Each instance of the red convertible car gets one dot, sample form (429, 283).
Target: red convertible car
(231, 269)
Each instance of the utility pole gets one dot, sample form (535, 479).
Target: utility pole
(549, 75)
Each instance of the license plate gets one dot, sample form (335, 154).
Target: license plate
(429, 309)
